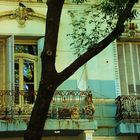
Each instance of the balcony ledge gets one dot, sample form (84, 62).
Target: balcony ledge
(127, 128)
(51, 124)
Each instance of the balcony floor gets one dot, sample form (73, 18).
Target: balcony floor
(48, 133)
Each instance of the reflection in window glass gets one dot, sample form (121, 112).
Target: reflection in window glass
(16, 81)
(30, 49)
(29, 80)
(28, 69)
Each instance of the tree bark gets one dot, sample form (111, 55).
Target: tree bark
(50, 79)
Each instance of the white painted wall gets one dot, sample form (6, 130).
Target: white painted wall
(100, 67)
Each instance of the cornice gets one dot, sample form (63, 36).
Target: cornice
(22, 13)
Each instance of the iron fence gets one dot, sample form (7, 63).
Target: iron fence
(128, 108)
(70, 104)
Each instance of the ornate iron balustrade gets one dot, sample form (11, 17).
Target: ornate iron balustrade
(128, 108)
(65, 104)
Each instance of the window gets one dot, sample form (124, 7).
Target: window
(129, 67)
(25, 73)
(29, 49)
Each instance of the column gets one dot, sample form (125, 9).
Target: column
(10, 63)
(21, 79)
(88, 134)
(9, 72)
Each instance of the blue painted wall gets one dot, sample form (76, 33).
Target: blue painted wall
(104, 111)
(101, 88)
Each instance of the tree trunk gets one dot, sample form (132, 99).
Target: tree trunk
(50, 79)
(39, 114)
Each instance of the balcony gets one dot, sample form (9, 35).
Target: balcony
(69, 110)
(128, 108)
(65, 105)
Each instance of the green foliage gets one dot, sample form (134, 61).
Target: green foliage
(115, 8)
(94, 23)
(89, 27)
(112, 7)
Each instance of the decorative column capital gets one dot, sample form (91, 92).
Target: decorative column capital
(89, 134)
(131, 30)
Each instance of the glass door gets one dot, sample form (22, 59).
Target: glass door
(25, 77)
(24, 81)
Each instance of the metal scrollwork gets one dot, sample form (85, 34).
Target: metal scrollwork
(128, 108)
(131, 30)
(66, 104)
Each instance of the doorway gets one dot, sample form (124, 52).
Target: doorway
(25, 71)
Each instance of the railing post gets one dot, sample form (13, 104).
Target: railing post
(88, 134)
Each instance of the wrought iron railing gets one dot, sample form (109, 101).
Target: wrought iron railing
(65, 104)
(128, 108)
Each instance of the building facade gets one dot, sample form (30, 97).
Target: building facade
(101, 101)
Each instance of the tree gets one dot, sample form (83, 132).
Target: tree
(47, 85)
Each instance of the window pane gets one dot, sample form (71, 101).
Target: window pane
(129, 67)
(122, 73)
(16, 81)
(30, 49)
(29, 81)
(136, 67)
